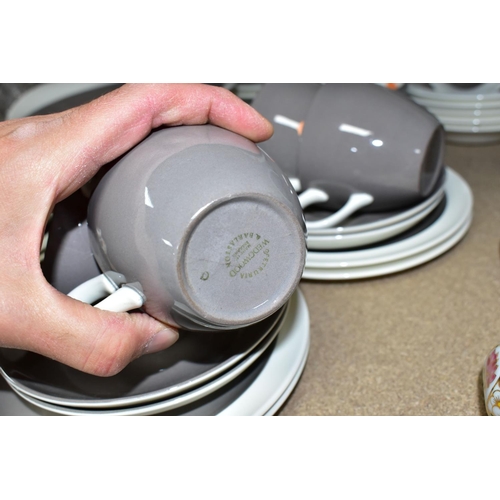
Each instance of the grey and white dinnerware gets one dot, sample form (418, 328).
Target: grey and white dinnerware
(363, 138)
(371, 178)
(247, 371)
(441, 228)
(352, 148)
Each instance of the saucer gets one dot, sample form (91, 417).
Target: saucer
(472, 129)
(388, 267)
(273, 378)
(283, 370)
(456, 105)
(422, 92)
(435, 232)
(356, 240)
(468, 114)
(195, 359)
(146, 406)
(451, 120)
(370, 221)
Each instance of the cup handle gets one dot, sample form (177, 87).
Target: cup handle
(355, 202)
(296, 184)
(123, 299)
(311, 196)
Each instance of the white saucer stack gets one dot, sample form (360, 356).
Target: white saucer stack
(370, 245)
(179, 381)
(248, 371)
(470, 114)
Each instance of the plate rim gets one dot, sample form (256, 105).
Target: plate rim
(352, 241)
(390, 267)
(292, 341)
(403, 215)
(440, 228)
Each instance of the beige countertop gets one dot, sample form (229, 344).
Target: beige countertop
(411, 343)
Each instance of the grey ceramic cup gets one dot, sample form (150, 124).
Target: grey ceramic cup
(363, 138)
(285, 105)
(204, 224)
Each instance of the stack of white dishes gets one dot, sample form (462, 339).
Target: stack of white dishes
(470, 114)
(377, 244)
(250, 373)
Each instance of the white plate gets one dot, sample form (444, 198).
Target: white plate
(459, 205)
(473, 129)
(47, 94)
(466, 114)
(470, 122)
(469, 106)
(265, 394)
(281, 400)
(390, 267)
(282, 372)
(370, 221)
(341, 241)
(421, 91)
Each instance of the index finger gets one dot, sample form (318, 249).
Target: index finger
(94, 134)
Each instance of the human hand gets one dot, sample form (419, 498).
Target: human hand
(43, 160)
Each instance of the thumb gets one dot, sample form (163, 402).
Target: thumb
(86, 338)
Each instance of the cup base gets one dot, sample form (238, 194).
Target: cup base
(241, 260)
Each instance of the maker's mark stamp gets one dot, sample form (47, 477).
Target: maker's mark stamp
(247, 255)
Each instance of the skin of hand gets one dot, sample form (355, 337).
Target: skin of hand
(44, 159)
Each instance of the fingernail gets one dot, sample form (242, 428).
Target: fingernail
(161, 340)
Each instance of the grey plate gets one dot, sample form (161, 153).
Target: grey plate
(141, 405)
(19, 404)
(272, 369)
(194, 359)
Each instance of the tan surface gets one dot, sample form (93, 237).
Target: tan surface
(411, 343)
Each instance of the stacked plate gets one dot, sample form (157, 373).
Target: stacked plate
(370, 245)
(250, 371)
(470, 113)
